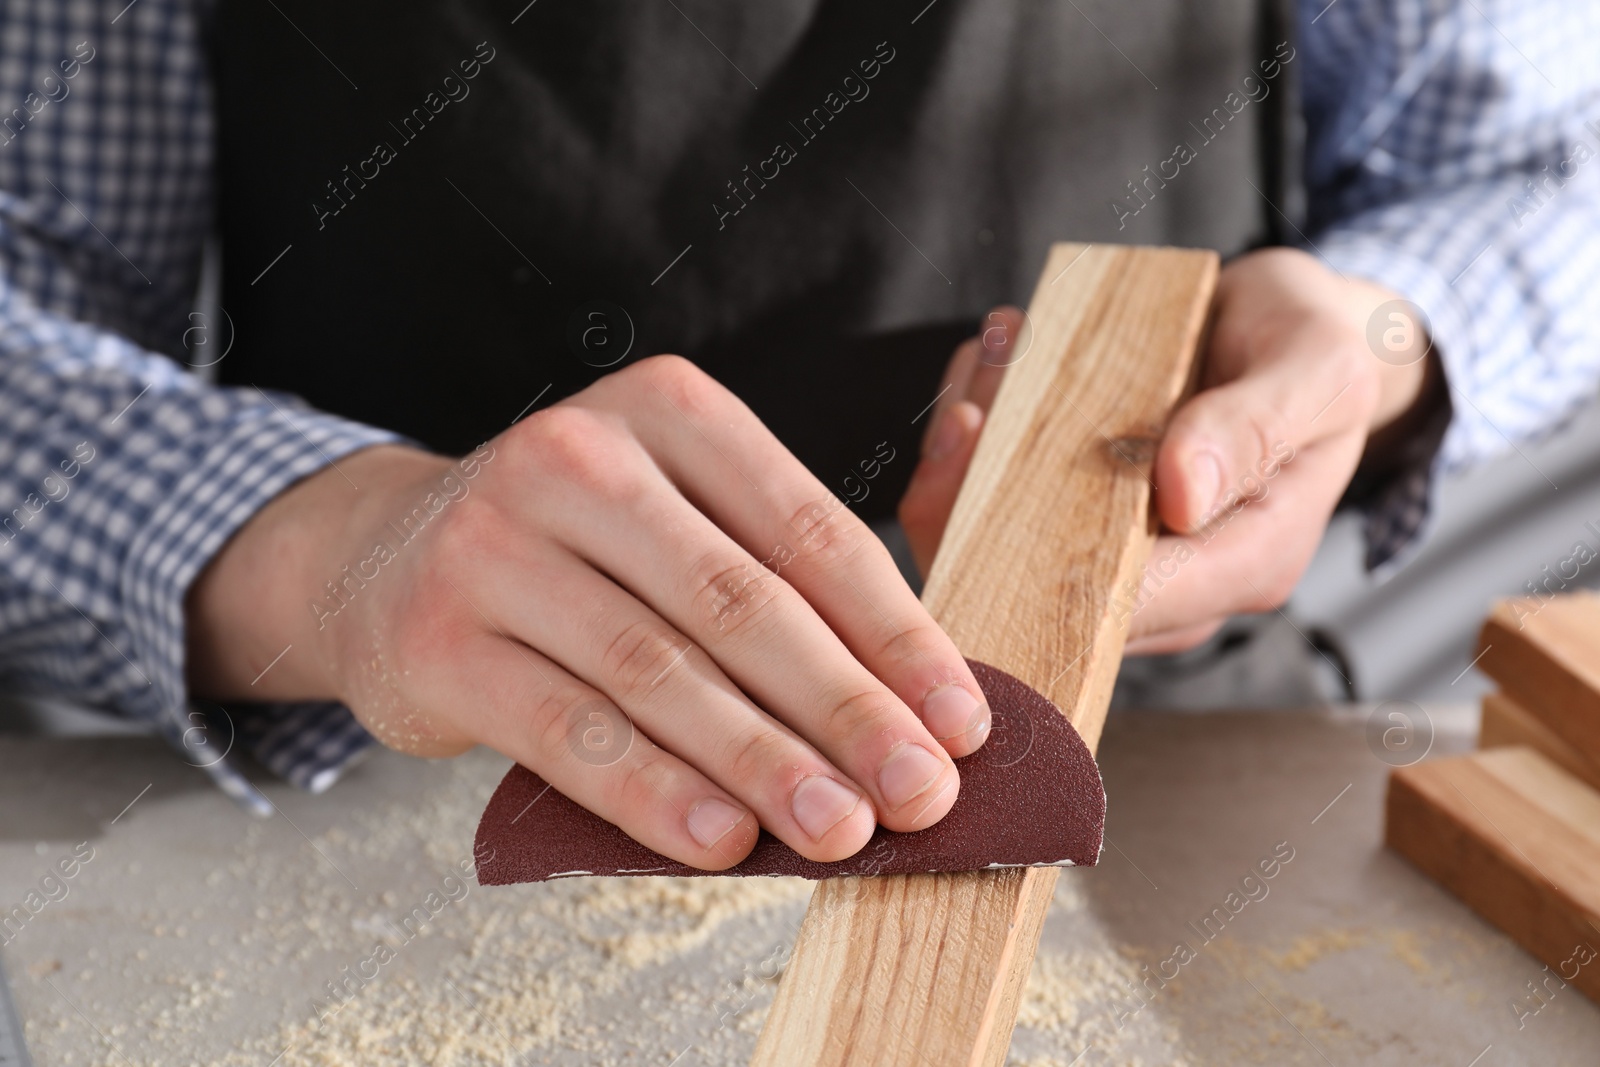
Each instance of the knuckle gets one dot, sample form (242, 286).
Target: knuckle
(913, 647)
(575, 722)
(759, 757)
(638, 785)
(860, 714)
(640, 657)
(552, 713)
(1268, 429)
(730, 598)
(569, 443)
(828, 534)
(690, 389)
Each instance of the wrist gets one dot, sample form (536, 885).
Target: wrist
(1396, 346)
(250, 607)
(1410, 387)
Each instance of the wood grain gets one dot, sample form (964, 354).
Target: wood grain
(1518, 840)
(1546, 656)
(1052, 526)
(1505, 722)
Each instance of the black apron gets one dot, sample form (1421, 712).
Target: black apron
(433, 215)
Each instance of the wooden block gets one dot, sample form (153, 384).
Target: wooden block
(1505, 722)
(1052, 522)
(1518, 840)
(1546, 656)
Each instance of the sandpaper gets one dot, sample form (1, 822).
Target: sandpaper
(1031, 796)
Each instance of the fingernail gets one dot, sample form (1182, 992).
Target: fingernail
(820, 803)
(950, 711)
(1205, 479)
(907, 773)
(946, 437)
(711, 819)
(929, 800)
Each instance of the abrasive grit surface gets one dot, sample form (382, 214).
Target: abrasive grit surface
(1031, 796)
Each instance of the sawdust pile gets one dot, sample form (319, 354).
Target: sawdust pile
(316, 961)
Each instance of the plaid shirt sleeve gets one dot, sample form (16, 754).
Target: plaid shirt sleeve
(121, 472)
(1454, 156)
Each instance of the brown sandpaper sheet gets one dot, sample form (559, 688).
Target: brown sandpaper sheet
(1030, 797)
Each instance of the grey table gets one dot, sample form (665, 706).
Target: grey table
(339, 931)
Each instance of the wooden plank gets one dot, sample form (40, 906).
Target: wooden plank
(1052, 525)
(1518, 840)
(1505, 722)
(1546, 656)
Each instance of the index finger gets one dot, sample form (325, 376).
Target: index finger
(707, 441)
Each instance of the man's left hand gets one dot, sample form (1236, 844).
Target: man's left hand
(1250, 468)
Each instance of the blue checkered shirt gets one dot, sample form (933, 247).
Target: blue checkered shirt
(122, 472)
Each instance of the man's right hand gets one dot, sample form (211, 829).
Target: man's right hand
(639, 594)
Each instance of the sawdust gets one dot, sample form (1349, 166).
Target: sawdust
(655, 919)
(507, 981)
(1312, 1016)
(1406, 947)
(392, 956)
(1309, 948)
(1085, 999)
(1067, 994)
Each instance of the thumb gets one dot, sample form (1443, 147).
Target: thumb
(1225, 443)
(931, 496)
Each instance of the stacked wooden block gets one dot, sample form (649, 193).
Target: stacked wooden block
(1514, 829)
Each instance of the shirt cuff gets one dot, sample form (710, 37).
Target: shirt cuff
(309, 745)
(1398, 507)
(256, 458)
